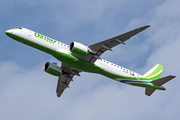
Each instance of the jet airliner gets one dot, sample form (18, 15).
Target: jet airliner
(76, 58)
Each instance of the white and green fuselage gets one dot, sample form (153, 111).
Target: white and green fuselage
(62, 52)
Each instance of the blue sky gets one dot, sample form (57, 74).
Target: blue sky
(27, 92)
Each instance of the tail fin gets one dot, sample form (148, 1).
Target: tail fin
(159, 82)
(154, 73)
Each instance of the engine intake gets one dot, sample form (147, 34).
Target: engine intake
(78, 48)
(52, 69)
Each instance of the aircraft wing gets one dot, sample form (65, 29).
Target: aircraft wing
(63, 83)
(103, 46)
(65, 78)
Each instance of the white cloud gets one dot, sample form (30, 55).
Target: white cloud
(163, 35)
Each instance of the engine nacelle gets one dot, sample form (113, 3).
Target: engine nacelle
(78, 48)
(52, 69)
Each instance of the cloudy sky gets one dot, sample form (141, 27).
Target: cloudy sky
(27, 92)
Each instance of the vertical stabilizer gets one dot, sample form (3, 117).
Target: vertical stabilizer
(154, 73)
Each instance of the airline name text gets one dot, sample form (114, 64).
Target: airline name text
(44, 38)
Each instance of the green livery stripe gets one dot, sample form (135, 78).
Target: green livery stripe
(157, 70)
(156, 77)
(29, 43)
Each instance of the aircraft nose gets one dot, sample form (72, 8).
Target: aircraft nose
(8, 32)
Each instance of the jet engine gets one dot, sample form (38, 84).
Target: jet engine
(78, 48)
(53, 69)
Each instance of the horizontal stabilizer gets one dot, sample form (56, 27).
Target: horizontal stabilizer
(159, 82)
(149, 91)
(163, 80)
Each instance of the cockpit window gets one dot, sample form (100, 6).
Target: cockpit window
(20, 27)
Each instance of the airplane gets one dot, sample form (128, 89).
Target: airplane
(76, 58)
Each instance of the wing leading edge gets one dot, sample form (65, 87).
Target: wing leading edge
(101, 47)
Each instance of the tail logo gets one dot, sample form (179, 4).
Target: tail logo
(132, 74)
